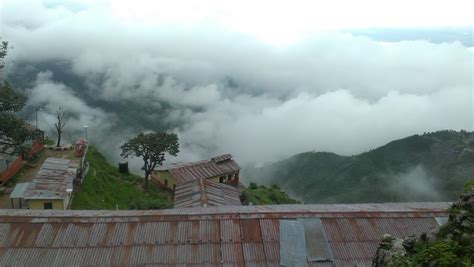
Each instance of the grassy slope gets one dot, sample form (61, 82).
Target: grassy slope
(320, 177)
(262, 195)
(105, 187)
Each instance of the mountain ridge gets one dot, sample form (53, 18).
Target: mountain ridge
(427, 167)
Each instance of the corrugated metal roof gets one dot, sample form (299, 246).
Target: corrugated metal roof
(317, 245)
(292, 243)
(231, 236)
(217, 166)
(52, 180)
(19, 190)
(222, 158)
(204, 193)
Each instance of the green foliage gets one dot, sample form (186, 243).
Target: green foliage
(151, 147)
(439, 253)
(446, 157)
(48, 141)
(253, 186)
(13, 130)
(262, 195)
(104, 187)
(469, 185)
(147, 204)
(454, 244)
(3, 53)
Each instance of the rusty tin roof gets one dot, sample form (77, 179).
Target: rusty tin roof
(212, 236)
(52, 180)
(217, 166)
(204, 193)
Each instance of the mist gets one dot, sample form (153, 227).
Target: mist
(415, 183)
(228, 92)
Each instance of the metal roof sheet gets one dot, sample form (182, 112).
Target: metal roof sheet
(52, 180)
(217, 166)
(231, 236)
(19, 190)
(292, 243)
(205, 192)
(317, 246)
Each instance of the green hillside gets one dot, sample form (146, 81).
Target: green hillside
(262, 195)
(105, 187)
(426, 167)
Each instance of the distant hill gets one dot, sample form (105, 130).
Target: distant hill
(428, 167)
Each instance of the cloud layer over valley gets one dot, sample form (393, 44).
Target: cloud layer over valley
(225, 91)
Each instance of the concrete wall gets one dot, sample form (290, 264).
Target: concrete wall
(38, 204)
(161, 176)
(12, 168)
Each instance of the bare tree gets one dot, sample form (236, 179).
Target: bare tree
(60, 114)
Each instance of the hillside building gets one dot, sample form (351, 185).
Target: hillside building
(51, 188)
(220, 169)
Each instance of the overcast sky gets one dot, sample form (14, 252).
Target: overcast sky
(299, 83)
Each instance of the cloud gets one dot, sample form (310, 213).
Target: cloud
(415, 183)
(50, 95)
(225, 91)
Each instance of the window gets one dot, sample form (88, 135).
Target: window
(48, 205)
(166, 182)
(174, 187)
(221, 179)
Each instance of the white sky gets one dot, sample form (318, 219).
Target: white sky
(277, 22)
(287, 21)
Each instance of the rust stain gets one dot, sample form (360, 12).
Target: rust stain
(251, 230)
(131, 227)
(109, 228)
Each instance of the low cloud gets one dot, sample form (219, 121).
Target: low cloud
(223, 91)
(416, 183)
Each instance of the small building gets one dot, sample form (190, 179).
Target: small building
(220, 169)
(205, 193)
(50, 189)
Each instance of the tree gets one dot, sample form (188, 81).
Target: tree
(3, 53)
(13, 131)
(60, 114)
(151, 147)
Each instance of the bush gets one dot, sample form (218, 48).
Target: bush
(147, 204)
(262, 195)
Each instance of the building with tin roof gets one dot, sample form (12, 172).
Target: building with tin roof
(221, 169)
(205, 193)
(51, 188)
(276, 235)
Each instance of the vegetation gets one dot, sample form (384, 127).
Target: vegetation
(105, 187)
(454, 242)
(13, 131)
(428, 167)
(151, 147)
(262, 195)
